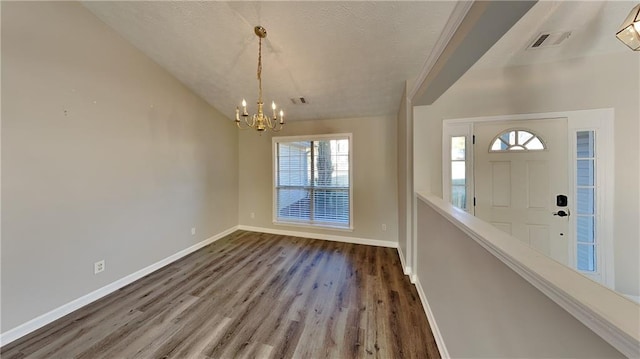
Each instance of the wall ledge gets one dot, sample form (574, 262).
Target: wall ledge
(610, 315)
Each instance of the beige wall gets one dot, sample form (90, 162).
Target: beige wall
(374, 175)
(486, 310)
(104, 156)
(606, 81)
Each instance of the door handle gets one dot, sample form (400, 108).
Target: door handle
(562, 213)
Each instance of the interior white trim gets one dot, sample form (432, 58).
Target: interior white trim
(326, 237)
(601, 122)
(274, 164)
(442, 348)
(405, 269)
(599, 119)
(409, 197)
(36, 323)
(608, 314)
(455, 19)
(458, 130)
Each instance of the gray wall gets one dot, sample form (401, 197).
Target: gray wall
(486, 310)
(374, 175)
(104, 156)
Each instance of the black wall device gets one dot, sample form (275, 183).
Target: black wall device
(561, 200)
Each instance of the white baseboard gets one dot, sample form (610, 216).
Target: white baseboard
(39, 322)
(406, 269)
(36, 323)
(326, 237)
(432, 321)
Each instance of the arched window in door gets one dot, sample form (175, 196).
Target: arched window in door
(517, 140)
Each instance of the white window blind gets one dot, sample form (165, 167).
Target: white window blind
(312, 180)
(587, 258)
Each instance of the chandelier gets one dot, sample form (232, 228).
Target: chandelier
(259, 121)
(629, 32)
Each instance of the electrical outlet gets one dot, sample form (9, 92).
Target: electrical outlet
(384, 227)
(253, 215)
(193, 231)
(98, 267)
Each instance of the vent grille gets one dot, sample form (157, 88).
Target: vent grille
(549, 39)
(540, 40)
(296, 100)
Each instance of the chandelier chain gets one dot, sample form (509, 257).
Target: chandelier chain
(260, 70)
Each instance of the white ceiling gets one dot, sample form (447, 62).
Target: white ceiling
(348, 59)
(593, 25)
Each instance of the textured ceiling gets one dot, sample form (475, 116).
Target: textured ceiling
(348, 59)
(593, 25)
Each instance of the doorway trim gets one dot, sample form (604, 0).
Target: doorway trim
(600, 120)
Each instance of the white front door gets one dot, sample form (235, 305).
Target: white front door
(518, 179)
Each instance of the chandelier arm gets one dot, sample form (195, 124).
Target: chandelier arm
(269, 122)
(239, 125)
(273, 124)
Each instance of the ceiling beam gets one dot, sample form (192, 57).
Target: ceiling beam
(484, 23)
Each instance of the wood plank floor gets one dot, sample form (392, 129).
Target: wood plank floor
(251, 295)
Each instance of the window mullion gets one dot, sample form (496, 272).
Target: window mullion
(312, 183)
(313, 186)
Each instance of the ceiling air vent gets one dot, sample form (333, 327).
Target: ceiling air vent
(549, 39)
(296, 100)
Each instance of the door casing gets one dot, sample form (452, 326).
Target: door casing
(599, 120)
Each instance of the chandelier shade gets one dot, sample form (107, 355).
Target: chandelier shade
(629, 32)
(259, 121)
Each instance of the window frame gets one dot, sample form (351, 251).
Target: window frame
(450, 131)
(510, 147)
(311, 223)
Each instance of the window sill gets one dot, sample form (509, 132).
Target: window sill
(316, 226)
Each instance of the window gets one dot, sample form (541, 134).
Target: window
(585, 201)
(458, 172)
(313, 180)
(516, 140)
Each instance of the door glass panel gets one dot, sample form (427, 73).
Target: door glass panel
(584, 174)
(585, 201)
(523, 136)
(508, 137)
(586, 235)
(587, 257)
(458, 148)
(516, 140)
(535, 144)
(585, 232)
(458, 172)
(585, 144)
